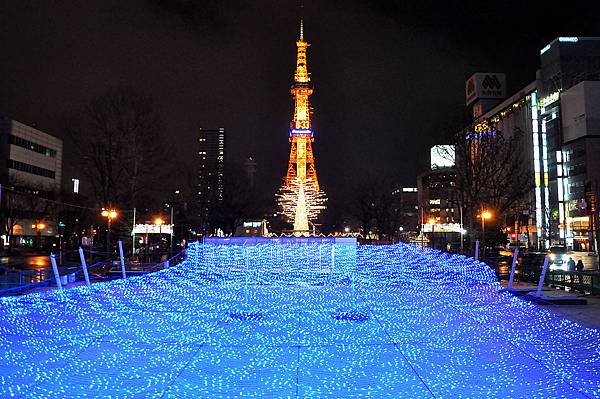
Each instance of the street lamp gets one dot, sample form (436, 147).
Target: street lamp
(109, 214)
(38, 229)
(431, 221)
(159, 222)
(485, 214)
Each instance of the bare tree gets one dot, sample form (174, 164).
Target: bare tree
(492, 172)
(374, 205)
(123, 151)
(21, 203)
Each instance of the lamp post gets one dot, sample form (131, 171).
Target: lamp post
(432, 223)
(484, 215)
(159, 222)
(109, 214)
(38, 229)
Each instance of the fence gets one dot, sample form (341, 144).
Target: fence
(15, 280)
(586, 281)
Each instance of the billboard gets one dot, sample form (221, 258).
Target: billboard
(152, 229)
(442, 156)
(481, 86)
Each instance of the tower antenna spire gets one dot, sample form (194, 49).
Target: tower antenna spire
(301, 20)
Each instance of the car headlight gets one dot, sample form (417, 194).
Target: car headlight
(552, 256)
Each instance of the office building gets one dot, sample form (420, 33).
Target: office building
(559, 114)
(211, 171)
(30, 170)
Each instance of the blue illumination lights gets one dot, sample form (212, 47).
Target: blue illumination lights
(301, 131)
(307, 319)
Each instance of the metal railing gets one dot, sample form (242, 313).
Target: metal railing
(585, 282)
(576, 281)
(16, 281)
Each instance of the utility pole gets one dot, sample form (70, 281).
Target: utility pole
(133, 235)
(462, 238)
(172, 228)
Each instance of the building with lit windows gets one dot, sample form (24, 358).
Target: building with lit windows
(211, 171)
(29, 156)
(439, 208)
(31, 165)
(406, 207)
(569, 106)
(559, 113)
(519, 113)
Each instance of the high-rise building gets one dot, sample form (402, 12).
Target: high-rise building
(211, 171)
(301, 198)
(439, 208)
(250, 167)
(406, 204)
(30, 174)
(559, 114)
(569, 108)
(29, 157)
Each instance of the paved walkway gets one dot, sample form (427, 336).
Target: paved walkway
(400, 323)
(586, 315)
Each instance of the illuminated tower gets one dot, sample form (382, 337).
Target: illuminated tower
(300, 197)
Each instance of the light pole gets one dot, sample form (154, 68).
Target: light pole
(462, 238)
(171, 236)
(432, 223)
(159, 222)
(484, 215)
(38, 229)
(109, 214)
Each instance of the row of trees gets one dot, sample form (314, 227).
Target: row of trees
(44, 209)
(491, 173)
(120, 141)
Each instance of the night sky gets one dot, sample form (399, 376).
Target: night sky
(388, 76)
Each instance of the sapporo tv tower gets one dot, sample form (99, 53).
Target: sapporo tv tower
(300, 197)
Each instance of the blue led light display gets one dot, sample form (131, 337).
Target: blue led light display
(307, 320)
(301, 131)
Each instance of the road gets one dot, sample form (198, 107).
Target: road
(31, 262)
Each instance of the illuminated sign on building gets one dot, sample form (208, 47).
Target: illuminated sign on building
(152, 229)
(481, 86)
(442, 156)
(549, 99)
(301, 131)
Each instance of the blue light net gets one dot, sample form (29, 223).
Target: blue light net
(296, 320)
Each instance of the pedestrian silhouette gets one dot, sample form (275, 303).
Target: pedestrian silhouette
(579, 266)
(571, 268)
(571, 265)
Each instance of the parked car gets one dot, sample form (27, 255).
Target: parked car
(558, 258)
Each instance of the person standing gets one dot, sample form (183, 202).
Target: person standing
(579, 269)
(571, 268)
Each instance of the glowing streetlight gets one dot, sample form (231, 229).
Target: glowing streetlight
(485, 214)
(109, 214)
(431, 221)
(158, 221)
(38, 229)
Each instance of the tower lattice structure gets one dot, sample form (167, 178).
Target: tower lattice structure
(300, 196)
(302, 161)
